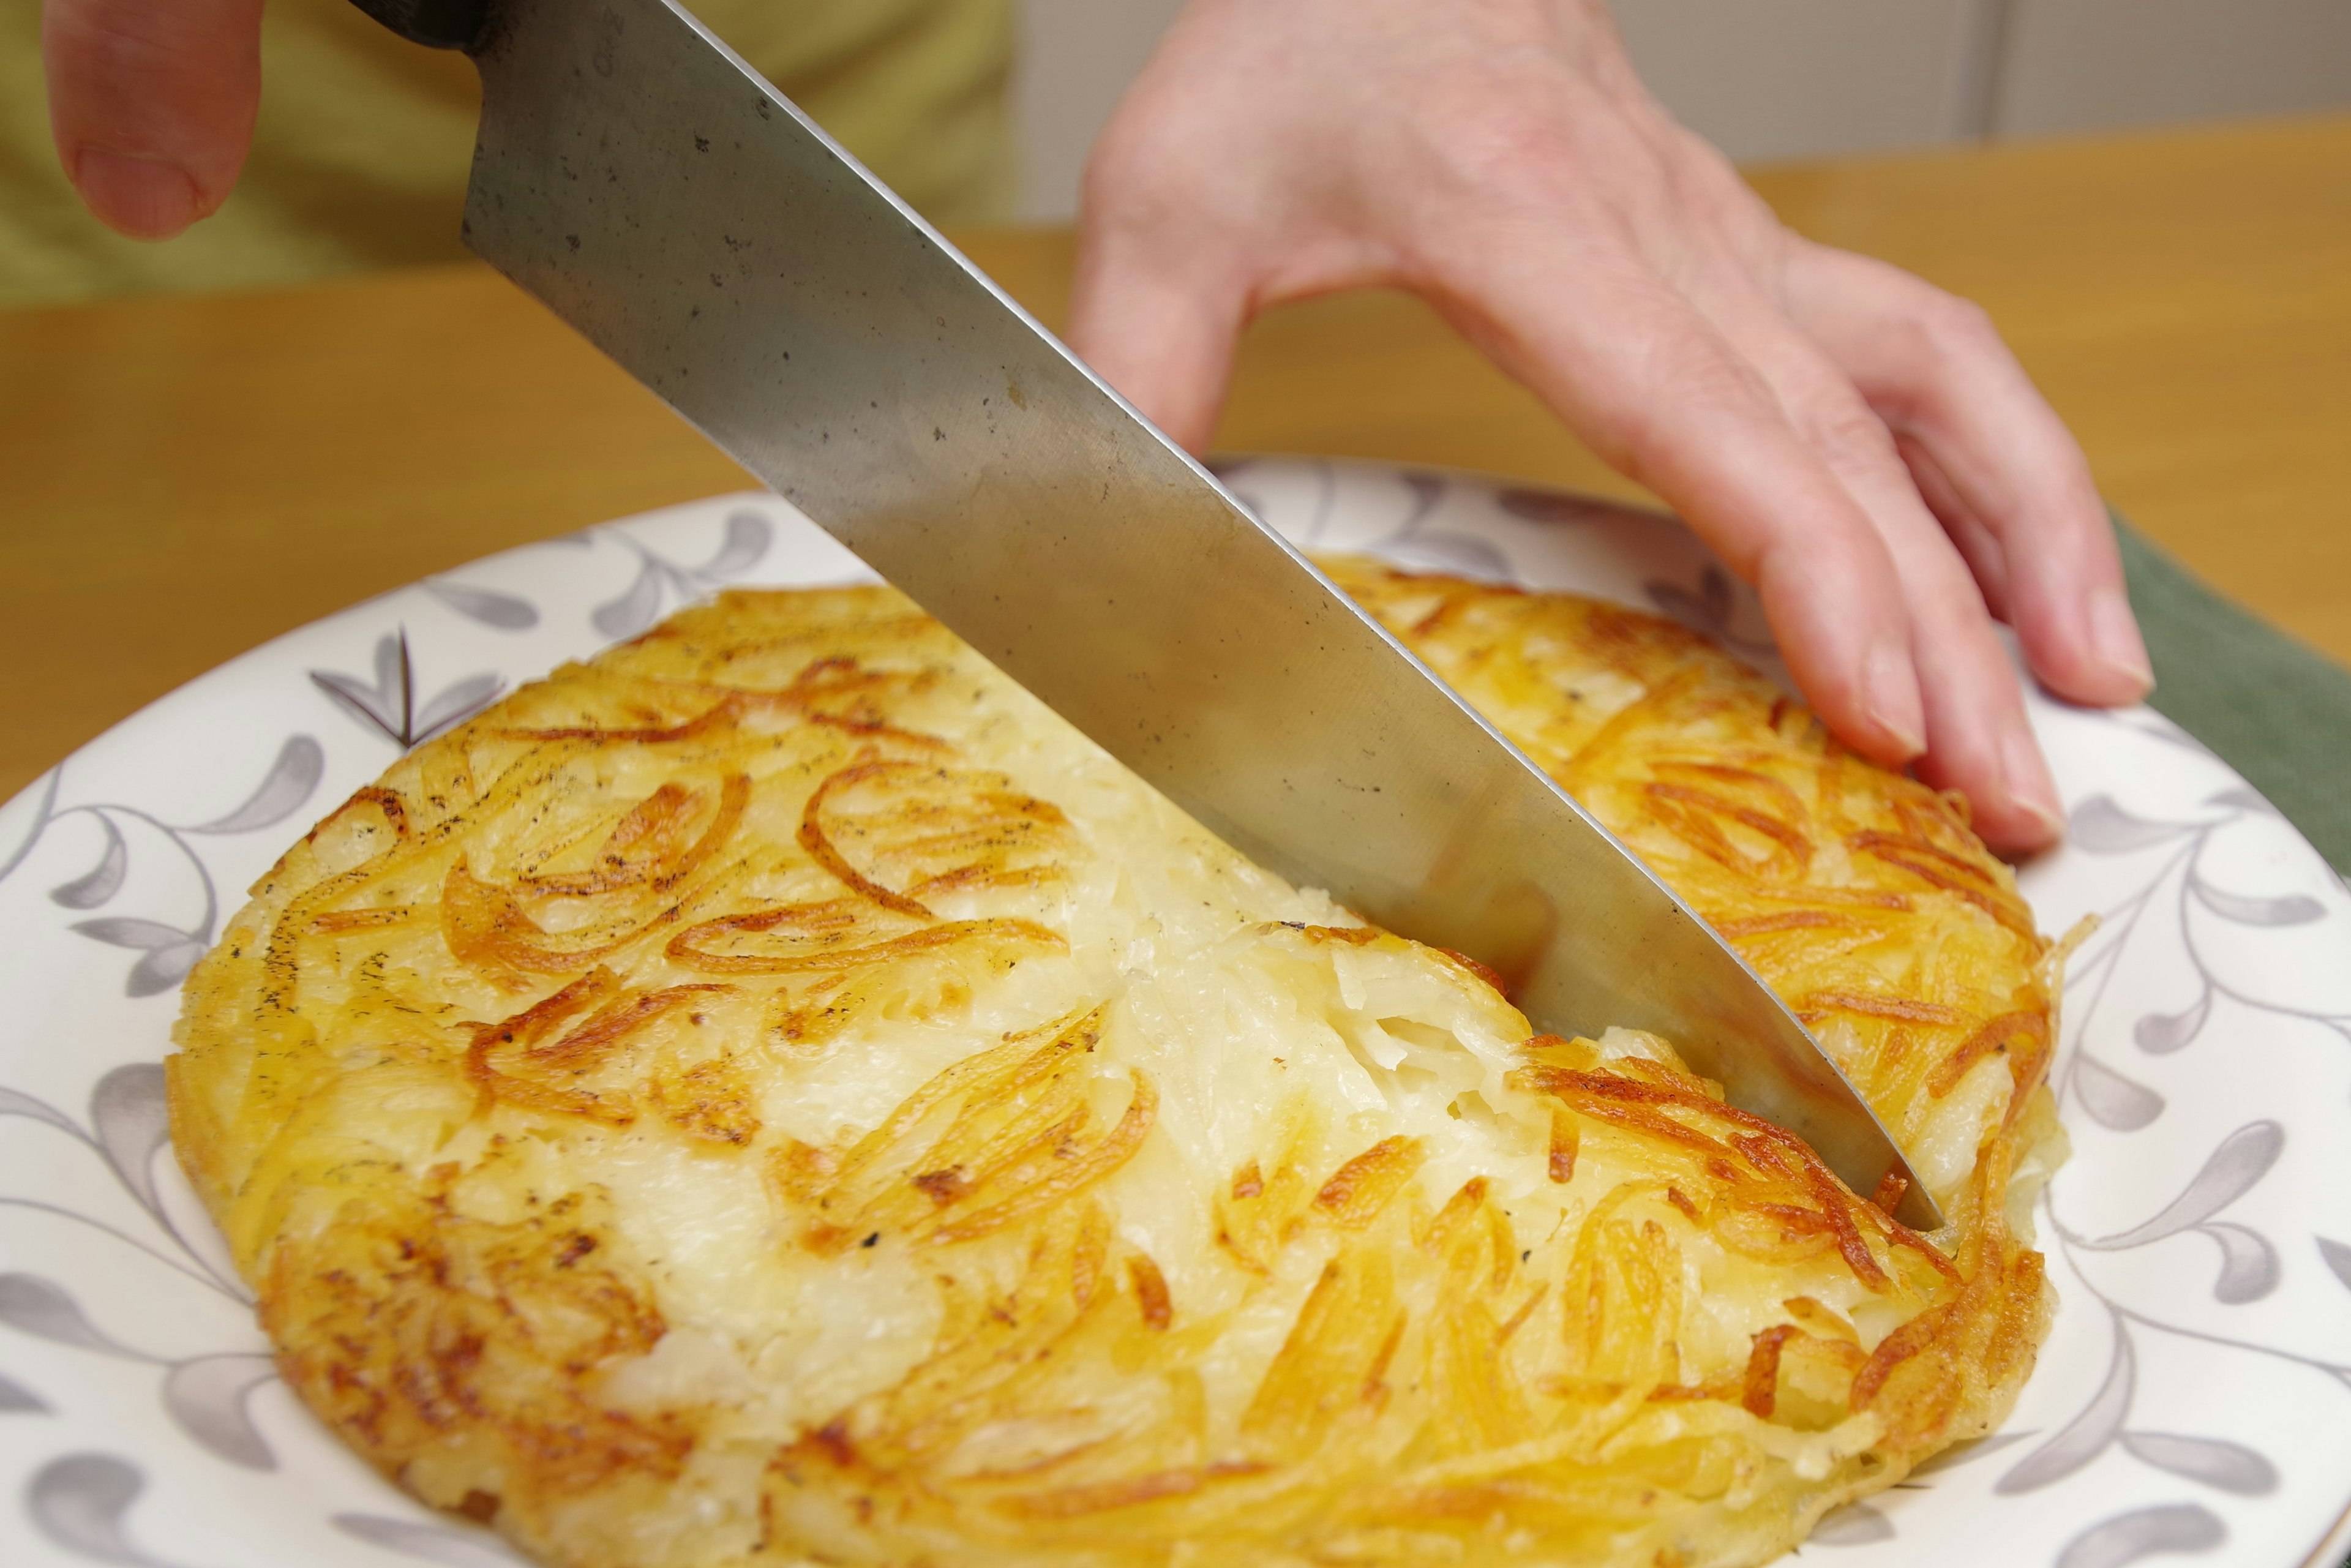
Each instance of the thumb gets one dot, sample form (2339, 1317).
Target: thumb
(1158, 332)
(152, 103)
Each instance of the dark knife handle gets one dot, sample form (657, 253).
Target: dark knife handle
(435, 23)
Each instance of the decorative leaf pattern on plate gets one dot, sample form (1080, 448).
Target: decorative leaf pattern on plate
(207, 1397)
(748, 534)
(2229, 1172)
(2102, 828)
(2292, 909)
(503, 611)
(102, 881)
(15, 1103)
(2160, 1034)
(1968, 1452)
(82, 1503)
(2338, 1258)
(1709, 610)
(1464, 554)
(2230, 1467)
(131, 1115)
(2115, 1100)
(634, 610)
(300, 763)
(16, 1399)
(2127, 1538)
(1552, 506)
(2087, 1435)
(2191, 888)
(441, 1544)
(637, 608)
(46, 1310)
(389, 704)
(1854, 1525)
(170, 952)
(2248, 1264)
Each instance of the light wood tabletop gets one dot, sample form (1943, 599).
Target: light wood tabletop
(187, 476)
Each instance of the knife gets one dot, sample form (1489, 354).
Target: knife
(664, 199)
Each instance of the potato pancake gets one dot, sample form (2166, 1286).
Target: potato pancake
(776, 1093)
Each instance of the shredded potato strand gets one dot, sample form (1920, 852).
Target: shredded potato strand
(775, 1094)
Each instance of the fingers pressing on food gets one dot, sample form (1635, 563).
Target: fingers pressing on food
(1993, 460)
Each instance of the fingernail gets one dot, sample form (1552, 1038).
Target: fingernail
(147, 198)
(2026, 774)
(2115, 635)
(1891, 688)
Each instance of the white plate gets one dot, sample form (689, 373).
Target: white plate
(2195, 1396)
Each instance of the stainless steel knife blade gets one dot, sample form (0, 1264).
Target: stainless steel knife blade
(666, 202)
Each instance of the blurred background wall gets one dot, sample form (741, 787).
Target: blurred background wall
(1792, 78)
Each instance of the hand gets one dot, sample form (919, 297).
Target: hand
(1857, 444)
(152, 103)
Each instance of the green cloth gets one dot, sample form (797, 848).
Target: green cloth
(362, 151)
(2277, 711)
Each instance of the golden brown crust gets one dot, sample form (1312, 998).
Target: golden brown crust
(777, 1095)
(1860, 895)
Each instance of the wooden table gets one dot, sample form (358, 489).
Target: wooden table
(185, 477)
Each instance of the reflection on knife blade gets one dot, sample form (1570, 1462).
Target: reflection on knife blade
(658, 196)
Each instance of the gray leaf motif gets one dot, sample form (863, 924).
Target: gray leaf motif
(1854, 1525)
(2231, 1467)
(2102, 828)
(1463, 553)
(168, 952)
(207, 1397)
(2338, 1258)
(2245, 909)
(2243, 1158)
(500, 612)
(2128, 1537)
(1967, 1453)
(460, 702)
(162, 969)
(102, 881)
(42, 814)
(2248, 1264)
(1550, 506)
(439, 1543)
(385, 704)
(2160, 1034)
(15, 1103)
(300, 763)
(16, 1399)
(634, 611)
(748, 534)
(1428, 489)
(129, 931)
(390, 705)
(41, 1308)
(80, 1501)
(1707, 611)
(2086, 1436)
(128, 1112)
(2112, 1100)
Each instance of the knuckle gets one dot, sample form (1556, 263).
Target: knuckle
(1512, 132)
(1845, 432)
(1952, 327)
(1511, 153)
(1694, 375)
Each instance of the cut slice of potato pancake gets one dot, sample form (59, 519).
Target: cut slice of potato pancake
(776, 1093)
